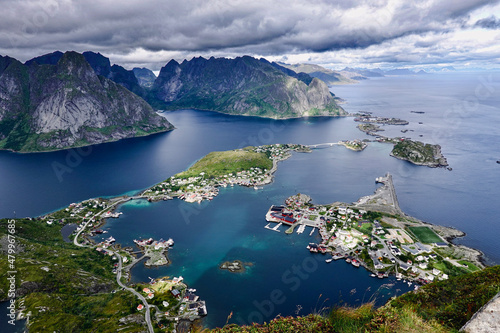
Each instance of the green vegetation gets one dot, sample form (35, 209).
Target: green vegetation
(437, 307)
(419, 153)
(425, 235)
(245, 86)
(224, 162)
(66, 288)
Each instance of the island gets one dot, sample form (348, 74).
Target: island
(235, 266)
(415, 152)
(419, 153)
(356, 145)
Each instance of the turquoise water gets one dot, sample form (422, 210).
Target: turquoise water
(459, 114)
(232, 227)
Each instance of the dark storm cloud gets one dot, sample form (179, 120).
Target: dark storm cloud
(32, 27)
(491, 22)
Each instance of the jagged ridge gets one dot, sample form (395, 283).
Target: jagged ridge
(66, 104)
(244, 86)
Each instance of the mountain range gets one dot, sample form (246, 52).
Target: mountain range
(63, 100)
(243, 86)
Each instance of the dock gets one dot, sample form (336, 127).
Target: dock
(312, 232)
(275, 228)
(301, 229)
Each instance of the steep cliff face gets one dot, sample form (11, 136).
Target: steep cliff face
(47, 107)
(245, 86)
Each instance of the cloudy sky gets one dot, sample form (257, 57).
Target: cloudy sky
(334, 33)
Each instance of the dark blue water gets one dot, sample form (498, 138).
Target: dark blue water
(461, 114)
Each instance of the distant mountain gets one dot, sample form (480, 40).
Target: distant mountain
(306, 78)
(244, 86)
(58, 101)
(400, 71)
(366, 73)
(326, 75)
(145, 77)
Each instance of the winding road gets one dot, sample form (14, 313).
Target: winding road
(119, 268)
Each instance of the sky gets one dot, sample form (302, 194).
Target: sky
(333, 33)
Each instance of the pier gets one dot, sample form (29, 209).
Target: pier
(275, 228)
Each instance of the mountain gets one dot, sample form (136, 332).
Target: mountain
(362, 72)
(145, 77)
(242, 86)
(400, 71)
(102, 66)
(47, 105)
(306, 78)
(327, 75)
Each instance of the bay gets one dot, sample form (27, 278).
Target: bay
(461, 114)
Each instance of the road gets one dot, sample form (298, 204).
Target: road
(143, 300)
(119, 270)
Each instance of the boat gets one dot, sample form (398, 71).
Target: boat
(348, 260)
(255, 188)
(170, 242)
(355, 263)
(329, 260)
(373, 275)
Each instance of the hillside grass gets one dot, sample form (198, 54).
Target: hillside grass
(66, 288)
(440, 307)
(221, 163)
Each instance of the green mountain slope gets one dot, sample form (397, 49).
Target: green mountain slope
(243, 86)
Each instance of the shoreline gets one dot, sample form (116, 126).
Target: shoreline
(396, 226)
(89, 145)
(256, 116)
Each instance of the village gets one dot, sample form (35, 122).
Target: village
(172, 301)
(384, 243)
(202, 186)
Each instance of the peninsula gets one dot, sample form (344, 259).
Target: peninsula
(374, 233)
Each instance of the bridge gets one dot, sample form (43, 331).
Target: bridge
(323, 145)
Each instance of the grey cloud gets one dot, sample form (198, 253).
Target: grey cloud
(32, 27)
(491, 22)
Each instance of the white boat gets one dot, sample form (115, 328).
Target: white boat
(329, 260)
(170, 242)
(373, 275)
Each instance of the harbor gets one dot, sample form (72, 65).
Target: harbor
(375, 234)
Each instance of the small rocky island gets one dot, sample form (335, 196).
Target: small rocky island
(235, 266)
(419, 153)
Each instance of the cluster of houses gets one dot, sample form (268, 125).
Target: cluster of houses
(346, 233)
(199, 188)
(187, 304)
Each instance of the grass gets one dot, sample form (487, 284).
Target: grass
(470, 266)
(441, 307)
(224, 162)
(66, 288)
(425, 235)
